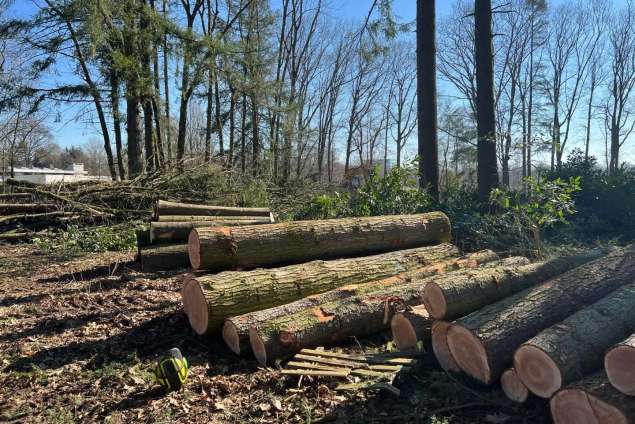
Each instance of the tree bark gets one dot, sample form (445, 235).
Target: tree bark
(116, 120)
(293, 242)
(619, 364)
(427, 97)
(13, 208)
(451, 298)
(174, 232)
(16, 196)
(164, 207)
(410, 326)
(133, 130)
(163, 257)
(236, 329)
(513, 388)
(485, 114)
(214, 218)
(571, 349)
(592, 400)
(234, 293)
(483, 342)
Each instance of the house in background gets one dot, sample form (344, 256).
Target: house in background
(75, 173)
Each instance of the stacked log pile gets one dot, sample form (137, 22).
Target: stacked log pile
(163, 245)
(549, 337)
(542, 328)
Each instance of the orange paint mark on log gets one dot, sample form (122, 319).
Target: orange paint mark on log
(225, 231)
(322, 315)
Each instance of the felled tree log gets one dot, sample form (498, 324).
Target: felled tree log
(16, 196)
(619, 364)
(575, 347)
(173, 232)
(592, 400)
(484, 342)
(410, 326)
(164, 257)
(44, 217)
(236, 329)
(164, 207)
(357, 315)
(190, 218)
(301, 241)
(209, 299)
(29, 208)
(451, 298)
(440, 346)
(513, 388)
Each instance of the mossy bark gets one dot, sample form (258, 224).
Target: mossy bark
(233, 293)
(302, 241)
(354, 316)
(237, 327)
(497, 330)
(14, 208)
(190, 218)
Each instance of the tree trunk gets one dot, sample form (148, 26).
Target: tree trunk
(440, 346)
(13, 208)
(619, 364)
(235, 293)
(173, 232)
(483, 342)
(163, 257)
(148, 133)
(485, 114)
(427, 98)
(134, 131)
(592, 400)
(451, 298)
(576, 346)
(513, 388)
(116, 120)
(354, 316)
(164, 207)
(215, 218)
(236, 329)
(410, 326)
(16, 196)
(293, 242)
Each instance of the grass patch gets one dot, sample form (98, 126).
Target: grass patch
(75, 241)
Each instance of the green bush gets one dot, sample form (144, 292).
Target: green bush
(75, 240)
(605, 202)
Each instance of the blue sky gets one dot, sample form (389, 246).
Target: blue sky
(68, 125)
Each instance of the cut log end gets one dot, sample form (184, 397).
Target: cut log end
(258, 346)
(513, 388)
(537, 371)
(434, 300)
(574, 406)
(403, 333)
(619, 363)
(440, 346)
(231, 337)
(469, 353)
(195, 306)
(194, 249)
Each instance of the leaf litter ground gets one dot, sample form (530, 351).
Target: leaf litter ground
(79, 338)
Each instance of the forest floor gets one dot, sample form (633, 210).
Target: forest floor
(79, 338)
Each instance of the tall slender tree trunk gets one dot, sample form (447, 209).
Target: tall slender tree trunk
(485, 114)
(116, 120)
(219, 122)
(232, 126)
(427, 98)
(243, 133)
(134, 131)
(208, 117)
(166, 89)
(156, 101)
(255, 138)
(588, 120)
